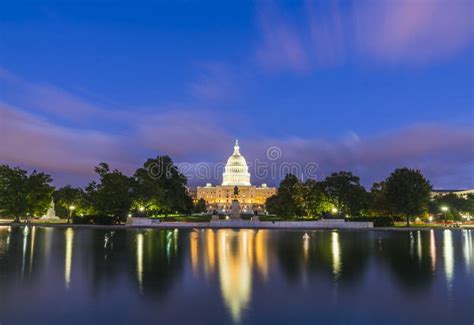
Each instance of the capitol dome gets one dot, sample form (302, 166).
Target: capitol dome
(236, 171)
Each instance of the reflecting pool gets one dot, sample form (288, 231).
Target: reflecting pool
(79, 275)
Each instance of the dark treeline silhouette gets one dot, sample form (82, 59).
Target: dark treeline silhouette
(405, 194)
(157, 188)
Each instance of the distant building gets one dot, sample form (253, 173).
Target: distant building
(251, 198)
(461, 193)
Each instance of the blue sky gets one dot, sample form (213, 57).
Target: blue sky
(362, 86)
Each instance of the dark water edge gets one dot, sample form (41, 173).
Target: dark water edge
(78, 275)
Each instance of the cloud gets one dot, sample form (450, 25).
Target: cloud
(183, 133)
(30, 137)
(443, 152)
(214, 82)
(414, 32)
(397, 32)
(327, 35)
(32, 141)
(44, 98)
(282, 46)
(429, 147)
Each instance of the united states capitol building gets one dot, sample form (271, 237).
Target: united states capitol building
(236, 174)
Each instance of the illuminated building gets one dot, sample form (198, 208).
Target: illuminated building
(460, 193)
(251, 198)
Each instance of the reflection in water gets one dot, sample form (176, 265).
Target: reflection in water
(32, 246)
(261, 252)
(418, 246)
(25, 242)
(68, 261)
(305, 249)
(236, 252)
(336, 254)
(193, 238)
(4, 239)
(211, 252)
(467, 249)
(448, 252)
(433, 249)
(235, 269)
(140, 261)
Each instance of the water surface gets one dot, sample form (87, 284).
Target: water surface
(76, 276)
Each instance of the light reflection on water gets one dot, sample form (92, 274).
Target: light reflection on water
(468, 250)
(68, 257)
(236, 276)
(140, 260)
(336, 254)
(433, 249)
(237, 254)
(448, 253)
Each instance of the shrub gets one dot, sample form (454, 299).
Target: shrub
(103, 220)
(82, 220)
(95, 220)
(378, 221)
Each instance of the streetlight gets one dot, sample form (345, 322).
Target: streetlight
(142, 210)
(71, 209)
(334, 210)
(445, 210)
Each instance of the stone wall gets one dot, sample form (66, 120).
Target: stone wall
(320, 224)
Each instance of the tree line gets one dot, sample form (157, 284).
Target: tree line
(405, 194)
(157, 188)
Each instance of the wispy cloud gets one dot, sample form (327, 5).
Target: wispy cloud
(397, 32)
(429, 147)
(43, 98)
(282, 46)
(414, 32)
(184, 133)
(32, 141)
(29, 136)
(214, 82)
(443, 152)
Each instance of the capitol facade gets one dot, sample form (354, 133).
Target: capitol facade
(236, 174)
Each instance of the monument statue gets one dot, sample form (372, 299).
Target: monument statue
(235, 209)
(51, 213)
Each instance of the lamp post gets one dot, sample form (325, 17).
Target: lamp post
(71, 209)
(445, 210)
(142, 210)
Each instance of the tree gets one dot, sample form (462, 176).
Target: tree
(345, 191)
(112, 196)
(39, 192)
(22, 194)
(284, 203)
(67, 199)
(408, 192)
(312, 199)
(160, 188)
(456, 205)
(378, 204)
(200, 206)
(470, 204)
